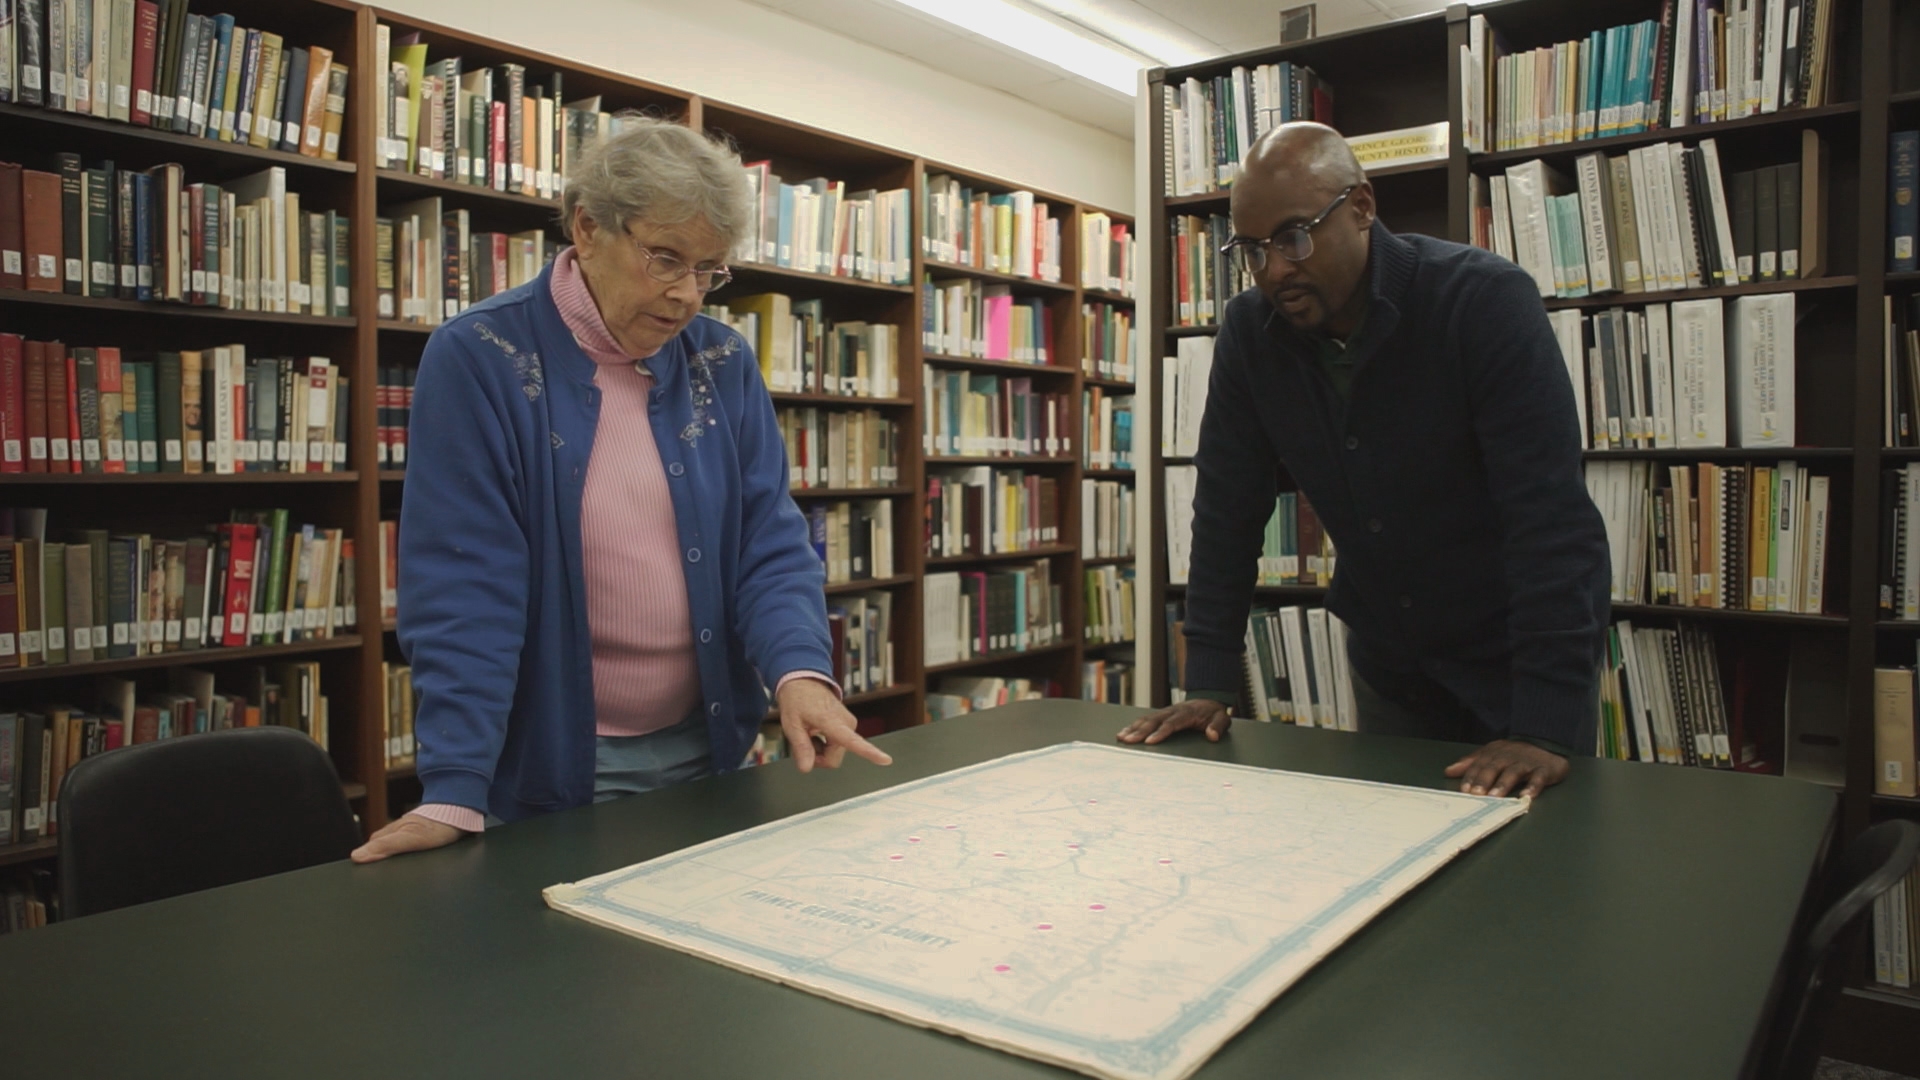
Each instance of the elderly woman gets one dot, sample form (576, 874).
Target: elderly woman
(602, 566)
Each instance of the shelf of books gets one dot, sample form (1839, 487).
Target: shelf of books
(1723, 241)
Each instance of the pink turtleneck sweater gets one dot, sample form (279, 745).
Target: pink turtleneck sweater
(645, 676)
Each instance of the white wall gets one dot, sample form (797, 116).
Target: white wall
(756, 58)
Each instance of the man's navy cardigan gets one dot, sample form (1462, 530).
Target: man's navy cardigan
(1450, 482)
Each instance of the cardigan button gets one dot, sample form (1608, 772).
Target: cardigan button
(1353, 442)
(1373, 525)
(706, 636)
(1406, 601)
(713, 709)
(676, 469)
(693, 554)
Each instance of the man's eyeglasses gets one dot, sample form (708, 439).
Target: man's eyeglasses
(1293, 242)
(671, 268)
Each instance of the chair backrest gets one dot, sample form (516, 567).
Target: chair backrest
(1870, 866)
(180, 815)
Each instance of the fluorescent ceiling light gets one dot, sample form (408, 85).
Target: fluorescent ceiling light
(1030, 33)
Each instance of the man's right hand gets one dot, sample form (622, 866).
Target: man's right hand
(411, 833)
(1209, 716)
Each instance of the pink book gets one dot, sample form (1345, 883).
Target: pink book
(999, 326)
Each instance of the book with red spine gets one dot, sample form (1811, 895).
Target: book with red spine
(33, 369)
(53, 357)
(34, 363)
(13, 407)
(146, 36)
(60, 354)
(241, 541)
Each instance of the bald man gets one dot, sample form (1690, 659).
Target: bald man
(1414, 391)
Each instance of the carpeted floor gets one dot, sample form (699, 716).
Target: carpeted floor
(1843, 1070)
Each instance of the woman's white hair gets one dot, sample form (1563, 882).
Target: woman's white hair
(661, 172)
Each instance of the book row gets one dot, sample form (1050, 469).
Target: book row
(1896, 933)
(1204, 279)
(1211, 125)
(1183, 395)
(396, 715)
(1106, 519)
(155, 64)
(430, 265)
(985, 612)
(491, 127)
(1108, 423)
(801, 351)
(90, 410)
(957, 695)
(393, 404)
(818, 227)
(1110, 595)
(838, 448)
(1702, 61)
(1108, 343)
(122, 234)
(256, 580)
(854, 539)
(1011, 233)
(1106, 253)
(1296, 549)
(1895, 770)
(967, 318)
(1293, 666)
(987, 511)
(1661, 699)
(1108, 681)
(1656, 218)
(973, 415)
(468, 266)
(1693, 374)
(39, 746)
(860, 626)
(1743, 537)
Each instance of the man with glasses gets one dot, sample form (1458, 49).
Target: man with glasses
(1415, 393)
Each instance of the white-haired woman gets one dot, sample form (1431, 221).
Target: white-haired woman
(600, 560)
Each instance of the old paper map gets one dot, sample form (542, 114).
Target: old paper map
(1114, 911)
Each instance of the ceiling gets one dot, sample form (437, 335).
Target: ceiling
(1161, 31)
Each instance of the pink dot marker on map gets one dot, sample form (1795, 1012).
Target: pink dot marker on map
(1002, 968)
(1096, 907)
(896, 858)
(913, 839)
(1073, 845)
(1166, 862)
(949, 826)
(1044, 926)
(999, 854)
(1227, 784)
(1090, 802)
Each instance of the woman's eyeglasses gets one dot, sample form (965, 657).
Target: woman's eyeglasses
(671, 268)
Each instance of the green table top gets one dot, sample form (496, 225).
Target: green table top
(1629, 926)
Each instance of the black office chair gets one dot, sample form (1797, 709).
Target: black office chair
(180, 815)
(1871, 865)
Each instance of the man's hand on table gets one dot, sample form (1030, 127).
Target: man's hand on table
(1209, 716)
(1508, 765)
(819, 728)
(411, 833)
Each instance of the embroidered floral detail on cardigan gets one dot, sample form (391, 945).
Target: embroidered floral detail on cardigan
(525, 364)
(700, 385)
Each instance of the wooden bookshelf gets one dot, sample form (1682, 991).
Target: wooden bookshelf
(358, 498)
(1408, 73)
